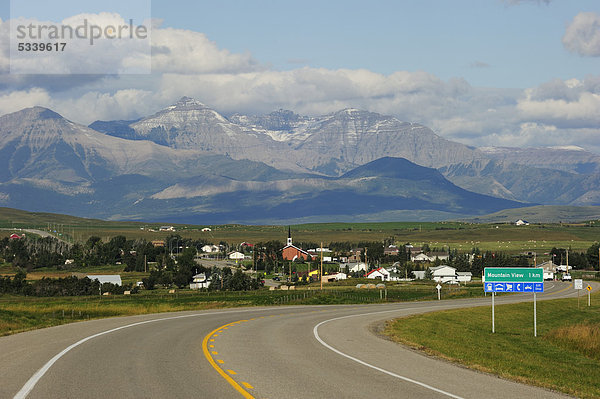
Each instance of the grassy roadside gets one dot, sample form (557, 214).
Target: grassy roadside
(565, 356)
(18, 313)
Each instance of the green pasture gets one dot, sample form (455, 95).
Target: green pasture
(18, 313)
(563, 357)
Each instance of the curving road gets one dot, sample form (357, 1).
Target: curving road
(274, 352)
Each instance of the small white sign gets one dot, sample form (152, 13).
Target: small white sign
(578, 284)
(439, 287)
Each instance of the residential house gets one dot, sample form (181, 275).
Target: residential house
(210, 249)
(464, 277)
(354, 267)
(166, 228)
(443, 274)
(379, 273)
(522, 222)
(237, 256)
(200, 281)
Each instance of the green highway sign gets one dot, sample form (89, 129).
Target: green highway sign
(513, 275)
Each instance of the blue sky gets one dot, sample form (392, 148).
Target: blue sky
(520, 44)
(482, 72)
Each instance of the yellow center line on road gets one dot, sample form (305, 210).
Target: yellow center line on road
(223, 374)
(558, 292)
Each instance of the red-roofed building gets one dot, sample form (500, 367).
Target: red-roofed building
(292, 252)
(15, 236)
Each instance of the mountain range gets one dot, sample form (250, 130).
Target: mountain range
(188, 163)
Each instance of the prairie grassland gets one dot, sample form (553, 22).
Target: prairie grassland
(19, 313)
(563, 357)
(584, 338)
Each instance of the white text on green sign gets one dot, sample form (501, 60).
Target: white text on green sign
(514, 274)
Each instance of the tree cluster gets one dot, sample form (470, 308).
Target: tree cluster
(46, 287)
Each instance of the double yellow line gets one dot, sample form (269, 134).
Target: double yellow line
(210, 337)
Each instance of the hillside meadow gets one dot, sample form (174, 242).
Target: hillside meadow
(463, 236)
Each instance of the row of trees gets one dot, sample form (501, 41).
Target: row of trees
(67, 286)
(221, 279)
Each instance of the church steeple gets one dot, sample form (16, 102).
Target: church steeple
(289, 240)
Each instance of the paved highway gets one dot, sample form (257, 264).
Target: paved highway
(275, 352)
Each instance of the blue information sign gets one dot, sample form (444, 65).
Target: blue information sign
(513, 287)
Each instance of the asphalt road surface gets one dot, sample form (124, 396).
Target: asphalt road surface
(274, 352)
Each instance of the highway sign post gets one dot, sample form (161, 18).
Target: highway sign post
(589, 290)
(438, 287)
(514, 279)
(578, 285)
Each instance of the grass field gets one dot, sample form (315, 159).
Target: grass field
(463, 236)
(18, 313)
(563, 357)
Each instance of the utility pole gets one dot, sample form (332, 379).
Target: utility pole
(321, 274)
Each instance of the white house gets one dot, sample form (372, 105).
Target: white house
(106, 278)
(464, 277)
(354, 267)
(443, 274)
(200, 281)
(210, 248)
(522, 222)
(236, 256)
(380, 273)
(341, 276)
(206, 229)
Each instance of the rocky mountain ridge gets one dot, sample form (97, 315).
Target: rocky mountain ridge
(187, 161)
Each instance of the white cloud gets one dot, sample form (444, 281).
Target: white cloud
(558, 112)
(184, 51)
(582, 36)
(17, 100)
(569, 104)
